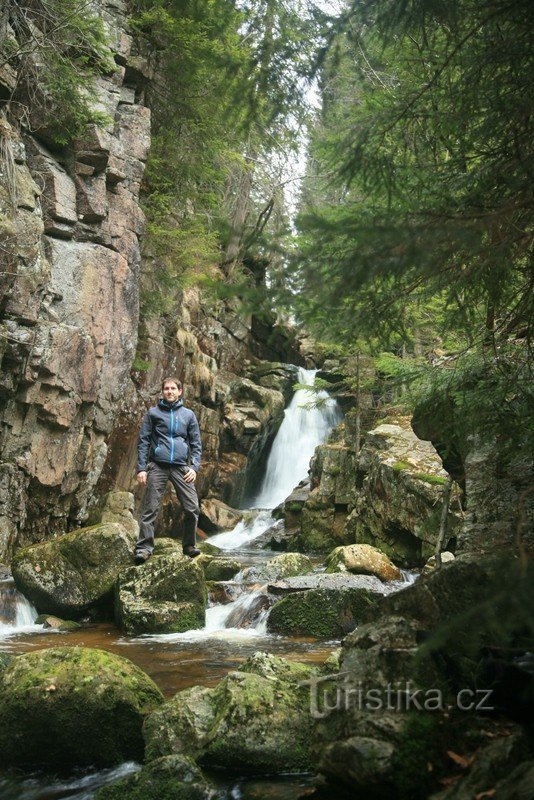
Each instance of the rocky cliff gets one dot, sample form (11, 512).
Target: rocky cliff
(71, 223)
(70, 405)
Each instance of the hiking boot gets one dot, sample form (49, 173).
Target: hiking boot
(192, 552)
(141, 557)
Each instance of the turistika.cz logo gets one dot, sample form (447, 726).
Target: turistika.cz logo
(326, 698)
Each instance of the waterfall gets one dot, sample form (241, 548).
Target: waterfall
(16, 613)
(302, 429)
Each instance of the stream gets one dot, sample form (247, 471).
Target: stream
(232, 633)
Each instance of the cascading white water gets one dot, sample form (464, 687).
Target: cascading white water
(16, 613)
(302, 429)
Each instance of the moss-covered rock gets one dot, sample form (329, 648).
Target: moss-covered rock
(73, 706)
(322, 613)
(222, 569)
(257, 719)
(5, 661)
(283, 566)
(57, 624)
(322, 525)
(74, 573)
(362, 559)
(169, 778)
(166, 594)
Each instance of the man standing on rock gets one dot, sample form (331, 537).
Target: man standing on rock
(169, 449)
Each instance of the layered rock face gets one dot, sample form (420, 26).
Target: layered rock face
(70, 402)
(69, 298)
(389, 495)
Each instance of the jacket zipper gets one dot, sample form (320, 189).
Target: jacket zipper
(172, 436)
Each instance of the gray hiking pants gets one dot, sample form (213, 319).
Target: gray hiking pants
(157, 477)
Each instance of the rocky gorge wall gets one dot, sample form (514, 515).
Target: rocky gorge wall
(70, 404)
(71, 225)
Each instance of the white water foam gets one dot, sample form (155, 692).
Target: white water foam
(302, 429)
(17, 615)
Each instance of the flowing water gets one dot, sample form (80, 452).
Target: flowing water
(232, 633)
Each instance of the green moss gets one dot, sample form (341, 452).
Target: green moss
(43, 694)
(400, 465)
(422, 742)
(322, 613)
(432, 479)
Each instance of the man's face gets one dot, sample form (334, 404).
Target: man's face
(171, 392)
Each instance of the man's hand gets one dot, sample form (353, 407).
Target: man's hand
(190, 476)
(141, 478)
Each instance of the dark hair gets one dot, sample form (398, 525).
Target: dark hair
(168, 380)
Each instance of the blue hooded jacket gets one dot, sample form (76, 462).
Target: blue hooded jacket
(169, 435)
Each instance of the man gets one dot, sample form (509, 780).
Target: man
(169, 449)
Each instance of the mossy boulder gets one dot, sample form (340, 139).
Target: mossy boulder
(57, 624)
(322, 613)
(166, 594)
(257, 719)
(283, 566)
(222, 569)
(169, 778)
(73, 706)
(362, 559)
(75, 573)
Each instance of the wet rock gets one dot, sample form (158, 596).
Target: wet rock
(248, 614)
(175, 777)
(321, 613)
(282, 566)
(362, 559)
(209, 549)
(256, 719)
(41, 697)
(222, 569)
(221, 593)
(216, 516)
(166, 594)
(76, 572)
(336, 581)
(57, 624)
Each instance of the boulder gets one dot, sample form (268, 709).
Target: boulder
(222, 569)
(362, 559)
(257, 720)
(216, 516)
(166, 594)
(336, 581)
(496, 771)
(282, 566)
(75, 573)
(223, 592)
(322, 613)
(73, 706)
(170, 778)
(57, 624)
